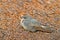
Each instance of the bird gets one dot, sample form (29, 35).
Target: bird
(31, 24)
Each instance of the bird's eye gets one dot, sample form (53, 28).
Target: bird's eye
(25, 17)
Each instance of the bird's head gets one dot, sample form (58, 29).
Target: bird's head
(26, 17)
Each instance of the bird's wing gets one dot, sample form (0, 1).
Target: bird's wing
(38, 26)
(35, 22)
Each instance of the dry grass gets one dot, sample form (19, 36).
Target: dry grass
(46, 11)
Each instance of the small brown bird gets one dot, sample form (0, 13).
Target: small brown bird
(31, 24)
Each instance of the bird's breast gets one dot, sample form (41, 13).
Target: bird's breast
(25, 23)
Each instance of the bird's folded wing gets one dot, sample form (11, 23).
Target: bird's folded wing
(38, 26)
(35, 23)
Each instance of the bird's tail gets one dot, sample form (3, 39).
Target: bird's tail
(46, 29)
